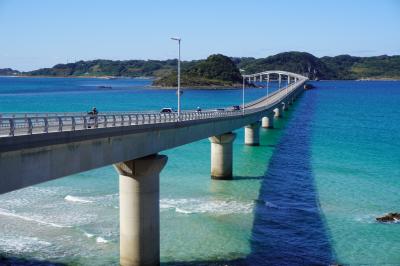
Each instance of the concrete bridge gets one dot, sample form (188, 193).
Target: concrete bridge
(35, 148)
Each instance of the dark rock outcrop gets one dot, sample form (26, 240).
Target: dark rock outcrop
(390, 217)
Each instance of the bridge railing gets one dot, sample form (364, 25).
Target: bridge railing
(275, 96)
(46, 124)
(52, 114)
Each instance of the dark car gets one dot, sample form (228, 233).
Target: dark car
(167, 110)
(236, 107)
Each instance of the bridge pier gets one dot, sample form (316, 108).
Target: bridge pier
(139, 193)
(279, 110)
(286, 105)
(221, 156)
(252, 134)
(268, 121)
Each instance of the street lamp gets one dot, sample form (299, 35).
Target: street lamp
(242, 71)
(179, 75)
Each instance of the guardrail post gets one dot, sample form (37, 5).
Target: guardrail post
(46, 125)
(12, 126)
(122, 120)
(96, 122)
(105, 121)
(114, 120)
(73, 123)
(84, 122)
(30, 126)
(130, 119)
(60, 124)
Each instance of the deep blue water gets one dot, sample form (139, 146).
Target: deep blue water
(289, 227)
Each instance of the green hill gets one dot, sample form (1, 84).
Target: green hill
(375, 67)
(128, 68)
(217, 70)
(342, 67)
(297, 62)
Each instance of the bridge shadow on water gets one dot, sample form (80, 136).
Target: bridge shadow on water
(15, 261)
(288, 226)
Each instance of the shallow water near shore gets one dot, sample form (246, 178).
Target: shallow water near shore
(309, 194)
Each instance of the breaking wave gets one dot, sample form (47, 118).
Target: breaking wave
(77, 199)
(30, 219)
(205, 205)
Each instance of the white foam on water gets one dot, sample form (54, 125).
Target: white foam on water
(30, 219)
(182, 211)
(88, 235)
(22, 243)
(271, 205)
(29, 196)
(206, 205)
(99, 239)
(77, 199)
(367, 218)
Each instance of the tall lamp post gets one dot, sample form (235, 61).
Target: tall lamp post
(242, 71)
(179, 75)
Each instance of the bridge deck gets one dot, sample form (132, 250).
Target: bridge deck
(35, 149)
(18, 124)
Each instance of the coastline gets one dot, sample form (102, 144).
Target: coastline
(151, 77)
(83, 77)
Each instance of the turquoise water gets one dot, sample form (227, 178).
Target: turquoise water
(308, 195)
(356, 160)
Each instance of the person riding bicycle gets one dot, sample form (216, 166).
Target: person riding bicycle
(92, 116)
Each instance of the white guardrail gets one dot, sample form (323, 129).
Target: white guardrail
(38, 123)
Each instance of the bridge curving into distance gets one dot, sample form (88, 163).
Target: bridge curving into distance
(35, 148)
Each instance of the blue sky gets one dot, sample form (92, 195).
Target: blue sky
(41, 33)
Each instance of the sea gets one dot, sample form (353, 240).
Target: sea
(308, 195)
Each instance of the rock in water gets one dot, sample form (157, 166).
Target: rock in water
(390, 217)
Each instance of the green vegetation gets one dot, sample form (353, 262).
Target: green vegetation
(128, 68)
(217, 70)
(342, 67)
(221, 71)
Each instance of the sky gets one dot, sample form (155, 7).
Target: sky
(42, 33)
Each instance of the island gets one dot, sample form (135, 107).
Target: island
(219, 71)
(216, 71)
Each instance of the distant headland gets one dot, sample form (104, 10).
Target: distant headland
(222, 71)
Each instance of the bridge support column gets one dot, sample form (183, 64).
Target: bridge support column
(221, 156)
(279, 111)
(139, 208)
(268, 121)
(286, 105)
(252, 134)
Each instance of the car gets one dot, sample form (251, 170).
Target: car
(235, 107)
(167, 110)
(219, 110)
